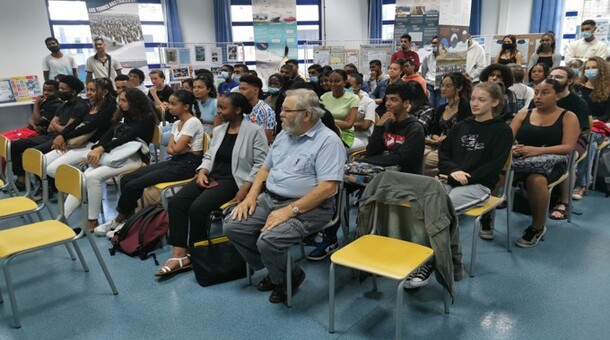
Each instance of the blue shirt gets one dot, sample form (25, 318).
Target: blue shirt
(299, 164)
(225, 87)
(263, 115)
(208, 110)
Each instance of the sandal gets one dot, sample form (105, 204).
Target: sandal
(563, 213)
(166, 270)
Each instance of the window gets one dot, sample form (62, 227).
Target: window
(388, 14)
(308, 25)
(70, 25)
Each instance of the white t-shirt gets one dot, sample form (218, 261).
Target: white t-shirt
(55, 66)
(192, 128)
(524, 95)
(366, 111)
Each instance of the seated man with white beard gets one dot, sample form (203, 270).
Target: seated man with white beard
(292, 195)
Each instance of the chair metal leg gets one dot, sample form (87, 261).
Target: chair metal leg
(400, 291)
(70, 252)
(289, 278)
(11, 293)
(509, 209)
(446, 301)
(80, 256)
(50, 211)
(39, 216)
(374, 282)
(595, 167)
(331, 299)
(248, 275)
(473, 254)
(102, 263)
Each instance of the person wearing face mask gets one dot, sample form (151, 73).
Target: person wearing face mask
(57, 62)
(576, 65)
(428, 71)
(596, 89)
(509, 53)
(314, 72)
(545, 54)
(229, 83)
(588, 46)
(72, 110)
(274, 84)
(240, 70)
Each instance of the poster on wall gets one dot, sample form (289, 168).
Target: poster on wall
(184, 55)
(321, 55)
(6, 93)
(200, 56)
(216, 56)
(171, 56)
(382, 53)
(337, 57)
(25, 88)
(275, 33)
(418, 18)
(454, 21)
(118, 24)
(180, 72)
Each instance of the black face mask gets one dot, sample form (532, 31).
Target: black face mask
(54, 49)
(64, 95)
(506, 46)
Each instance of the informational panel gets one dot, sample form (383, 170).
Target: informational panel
(382, 53)
(275, 34)
(418, 18)
(118, 23)
(19, 89)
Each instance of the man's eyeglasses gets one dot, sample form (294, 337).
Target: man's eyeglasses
(287, 110)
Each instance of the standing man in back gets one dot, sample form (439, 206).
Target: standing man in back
(101, 64)
(57, 62)
(405, 51)
(588, 46)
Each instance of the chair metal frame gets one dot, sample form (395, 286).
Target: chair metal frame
(71, 181)
(6, 176)
(600, 148)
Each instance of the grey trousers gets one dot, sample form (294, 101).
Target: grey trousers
(467, 196)
(269, 249)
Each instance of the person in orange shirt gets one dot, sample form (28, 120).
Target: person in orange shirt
(408, 71)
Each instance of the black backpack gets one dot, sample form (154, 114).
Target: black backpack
(141, 233)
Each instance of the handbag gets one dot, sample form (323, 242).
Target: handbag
(216, 261)
(117, 156)
(539, 164)
(79, 141)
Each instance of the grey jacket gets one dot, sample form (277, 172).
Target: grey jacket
(249, 152)
(534, 60)
(430, 221)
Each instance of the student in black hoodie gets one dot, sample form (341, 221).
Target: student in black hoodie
(472, 156)
(398, 138)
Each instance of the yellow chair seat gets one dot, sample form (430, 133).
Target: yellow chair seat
(164, 185)
(16, 205)
(384, 256)
(602, 145)
(492, 203)
(31, 236)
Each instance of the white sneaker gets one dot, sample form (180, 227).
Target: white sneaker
(111, 233)
(102, 229)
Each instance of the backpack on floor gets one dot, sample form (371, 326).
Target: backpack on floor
(141, 233)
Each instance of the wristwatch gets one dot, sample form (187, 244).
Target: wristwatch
(295, 209)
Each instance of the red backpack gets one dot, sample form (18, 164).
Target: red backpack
(141, 233)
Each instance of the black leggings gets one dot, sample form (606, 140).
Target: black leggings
(194, 204)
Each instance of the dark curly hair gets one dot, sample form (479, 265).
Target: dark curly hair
(139, 107)
(459, 80)
(507, 74)
(416, 95)
(545, 69)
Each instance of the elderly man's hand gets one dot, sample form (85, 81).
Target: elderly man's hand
(277, 217)
(244, 209)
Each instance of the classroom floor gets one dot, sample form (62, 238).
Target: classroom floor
(557, 290)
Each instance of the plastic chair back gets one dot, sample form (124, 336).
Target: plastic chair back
(69, 180)
(34, 162)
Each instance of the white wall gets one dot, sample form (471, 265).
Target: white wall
(23, 27)
(506, 17)
(346, 19)
(197, 20)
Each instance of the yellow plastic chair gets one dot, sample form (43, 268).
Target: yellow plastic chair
(32, 237)
(383, 256)
(6, 175)
(600, 148)
(34, 163)
(490, 205)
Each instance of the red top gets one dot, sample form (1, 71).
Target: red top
(407, 55)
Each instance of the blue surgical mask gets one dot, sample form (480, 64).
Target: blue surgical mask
(273, 90)
(225, 75)
(349, 90)
(236, 77)
(587, 34)
(591, 73)
(313, 79)
(576, 71)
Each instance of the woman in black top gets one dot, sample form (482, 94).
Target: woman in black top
(101, 95)
(509, 53)
(547, 129)
(237, 150)
(138, 124)
(456, 88)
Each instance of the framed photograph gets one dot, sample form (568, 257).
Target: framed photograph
(200, 54)
(184, 56)
(171, 56)
(216, 56)
(232, 54)
(181, 72)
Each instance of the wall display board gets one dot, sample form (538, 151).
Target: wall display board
(6, 93)
(418, 18)
(275, 34)
(118, 23)
(23, 88)
(382, 53)
(526, 44)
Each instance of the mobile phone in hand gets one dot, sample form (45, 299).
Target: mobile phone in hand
(211, 183)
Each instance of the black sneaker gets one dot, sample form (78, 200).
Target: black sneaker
(486, 232)
(279, 291)
(531, 237)
(420, 277)
(324, 248)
